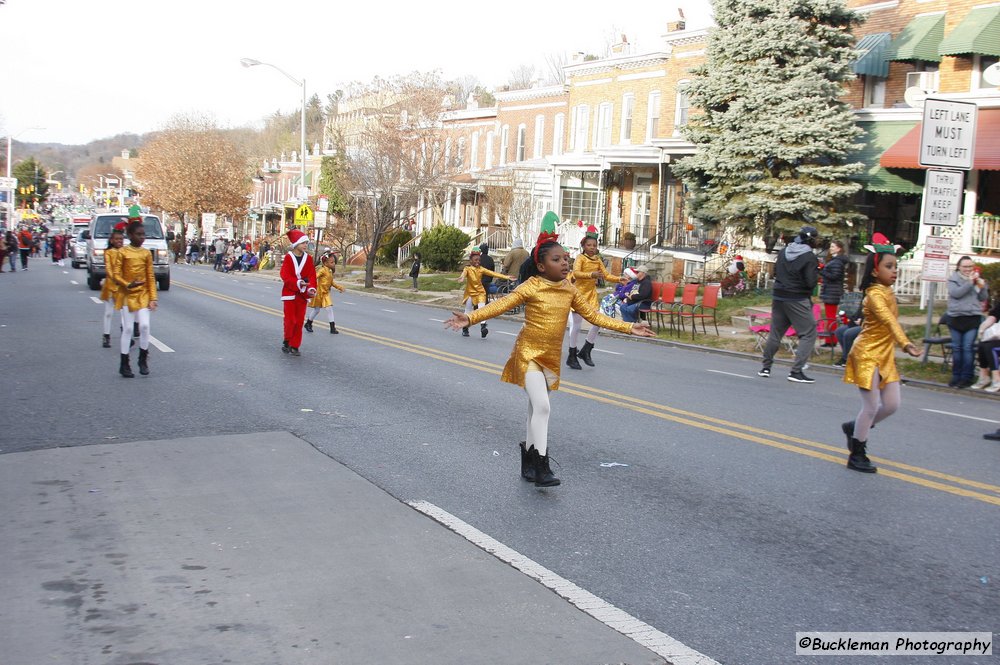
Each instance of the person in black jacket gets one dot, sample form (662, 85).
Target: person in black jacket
(833, 289)
(486, 261)
(640, 294)
(795, 275)
(415, 269)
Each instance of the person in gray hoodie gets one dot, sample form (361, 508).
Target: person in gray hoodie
(967, 292)
(795, 275)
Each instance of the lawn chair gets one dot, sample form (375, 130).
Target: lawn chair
(703, 310)
(689, 298)
(944, 340)
(760, 326)
(662, 303)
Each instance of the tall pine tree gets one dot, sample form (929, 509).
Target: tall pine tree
(773, 136)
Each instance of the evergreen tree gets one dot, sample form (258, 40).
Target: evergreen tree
(772, 135)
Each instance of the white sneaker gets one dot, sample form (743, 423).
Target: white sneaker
(993, 387)
(981, 383)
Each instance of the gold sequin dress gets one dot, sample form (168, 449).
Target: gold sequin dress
(474, 283)
(109, 289)
(583, 269)
(324, 282)
(135, 264)
(875, 346)
(546, 306)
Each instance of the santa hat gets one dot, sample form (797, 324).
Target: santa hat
(296, 237)
(547, 233)
(591, 232)
(121, 226)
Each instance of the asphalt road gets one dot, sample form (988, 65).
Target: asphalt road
(712, 504)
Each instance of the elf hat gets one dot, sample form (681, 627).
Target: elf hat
(296, 237)
(591, 232)
(547, 232)
(475, 252)
(135, 213)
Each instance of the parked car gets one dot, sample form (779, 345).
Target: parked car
(97, 242)
(78, 249)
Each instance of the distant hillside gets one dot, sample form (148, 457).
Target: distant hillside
(71, 158)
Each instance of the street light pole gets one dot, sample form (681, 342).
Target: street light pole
(250, 62)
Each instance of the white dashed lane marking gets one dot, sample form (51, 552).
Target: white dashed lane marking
(160, 345)
(614, 353)
(959, 415)
(719, 371)
(96, 300)
(73, 281)
(391, 311)
(626, 624)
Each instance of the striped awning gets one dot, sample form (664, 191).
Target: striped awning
(978, 33)
(878, 137)
(871, 52)
(919, 40)
(986, 157)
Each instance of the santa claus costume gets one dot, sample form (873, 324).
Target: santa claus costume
(298, 277)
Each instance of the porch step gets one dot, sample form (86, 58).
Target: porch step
(759, 310)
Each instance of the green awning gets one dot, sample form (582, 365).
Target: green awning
(978, 33)
(919, 40)
(879, 136)
(871, 52)
(309, 179)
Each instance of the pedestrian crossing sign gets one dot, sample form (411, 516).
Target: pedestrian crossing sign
(303, 215)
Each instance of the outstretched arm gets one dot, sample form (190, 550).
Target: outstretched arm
(495, 308)
(585, 309)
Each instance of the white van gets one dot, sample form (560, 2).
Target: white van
(97, 242)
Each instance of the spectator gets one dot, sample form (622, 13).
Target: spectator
(193, 251)
(989, 344)
(795, 275)
(250, 263)
(833, 289)
(846, 332)
(967, 292)
(515, 257)
(415, 269)
(12, 248)
(220, 253)
(486, 261)
(640, 293)
(25, 245)
(3, 249)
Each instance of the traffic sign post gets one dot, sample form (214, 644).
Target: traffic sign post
(948, 134)
(942, 203)
(303, 215)
(937, 255)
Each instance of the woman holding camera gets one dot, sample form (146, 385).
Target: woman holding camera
(967, 292)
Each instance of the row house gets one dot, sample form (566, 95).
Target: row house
(908, 50)
(274, 195)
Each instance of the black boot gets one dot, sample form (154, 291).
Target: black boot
(143, 357)
(125, 369)
(858, 459)
(294, 351)
(571, 361)
(333, 329)
(284, 346)
(528, 463)
(483, 330)
(309, 325)
(465, 331)
(106, 341)
(543, 474)
(584, 354)
(848, 430)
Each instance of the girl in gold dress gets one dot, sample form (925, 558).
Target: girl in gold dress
(535, 359)
(322, 300)
(474, 295)
(587, 268)
(136, 296)
(109, 290)
(871, 365)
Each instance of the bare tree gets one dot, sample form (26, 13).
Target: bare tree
(521, 77)
(555, 62)
(509, 197)
(192, 167)
(397, 158)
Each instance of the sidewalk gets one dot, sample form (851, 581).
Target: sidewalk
(257, 549)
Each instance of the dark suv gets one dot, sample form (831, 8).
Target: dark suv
(156, 242)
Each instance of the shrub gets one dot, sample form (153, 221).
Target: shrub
(443, 247)
(391, 243)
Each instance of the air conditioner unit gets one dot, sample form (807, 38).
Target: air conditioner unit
(926, 81)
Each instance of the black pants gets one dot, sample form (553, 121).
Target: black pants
(25, 253)
(987, 359)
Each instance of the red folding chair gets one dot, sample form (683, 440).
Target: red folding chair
(689, 300)
(704, 310)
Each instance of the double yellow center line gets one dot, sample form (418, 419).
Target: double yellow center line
(929, 478)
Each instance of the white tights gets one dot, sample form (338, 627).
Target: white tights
(316, 310)
(876, 406)
(469, 306)
(575, 325)
(128, 318)
(109, 314)
(538, 411)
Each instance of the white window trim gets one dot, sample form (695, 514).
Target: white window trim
(504, 143)
(558, 130)
(489, 149)
(605, 121)
(474, 158)
(539, 142)
(650, 107)
(628, 115)
(681, 85)
(521, 147)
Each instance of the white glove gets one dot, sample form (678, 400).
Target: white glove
(311, 292)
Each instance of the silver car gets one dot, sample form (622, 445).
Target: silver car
(78, 249)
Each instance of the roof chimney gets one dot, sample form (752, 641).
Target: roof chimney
(678, 24)
(621, 47)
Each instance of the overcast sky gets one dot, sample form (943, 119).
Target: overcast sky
(88, 70)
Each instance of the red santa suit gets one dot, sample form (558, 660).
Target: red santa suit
(298, 277)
